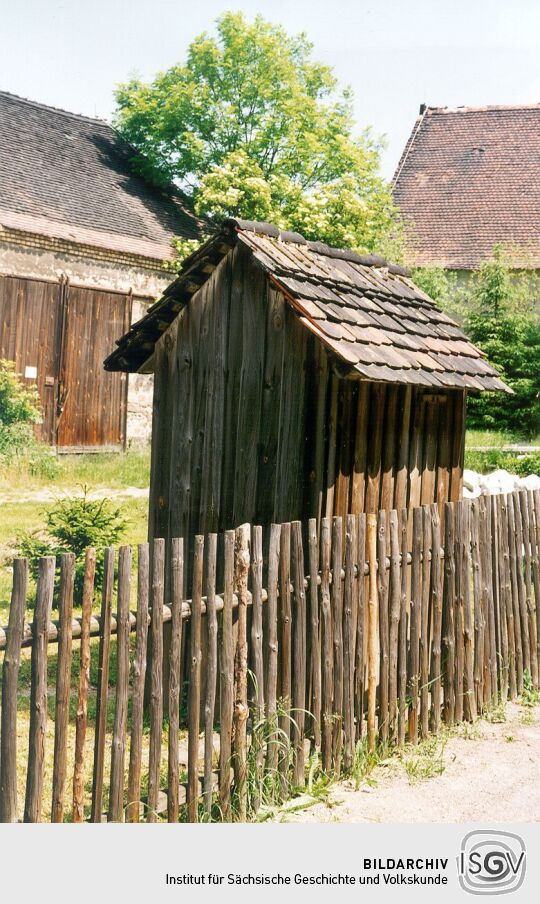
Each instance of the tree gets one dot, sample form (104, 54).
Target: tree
(250, 125)
(503, 321)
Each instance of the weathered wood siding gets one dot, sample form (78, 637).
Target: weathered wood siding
(253, 424)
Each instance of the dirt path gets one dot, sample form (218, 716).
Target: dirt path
(490, 773)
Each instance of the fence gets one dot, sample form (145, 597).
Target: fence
(409, 619)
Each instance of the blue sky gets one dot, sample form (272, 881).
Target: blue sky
(394, 53)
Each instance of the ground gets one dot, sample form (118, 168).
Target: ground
(486, 772)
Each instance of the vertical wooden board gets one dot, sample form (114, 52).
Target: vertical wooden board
(478, 613)
(429, 468)
(175, 673)
(159, 520)
(395, 610)
(390, 432)
(38, 691)
(138, 681)
(416, 450)
(513, 568)
(285, 649)
(79, 772)
(446, 409)
(10, 675)
(459, 612)
(232, 388)
(270, 405)
(102, 686)
(358, 487)
(345, 450)
(535, 564)
(332, 447)
(469, 697)
(529, 601)
(402, 457)
(525, 644)
(252, 369)
(376, 430)
(116, 796)
(502, 557)
(457, 453)
(316, 397)
(257, 652)
(63, 685)
(290, 487)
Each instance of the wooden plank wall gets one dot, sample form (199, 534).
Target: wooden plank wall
(253, 424)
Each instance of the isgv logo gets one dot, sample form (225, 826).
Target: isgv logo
(491, 862)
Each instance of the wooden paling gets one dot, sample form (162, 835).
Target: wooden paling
(103, 685)
(10, 674)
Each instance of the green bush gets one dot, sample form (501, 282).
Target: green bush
(19, 411)
(73, 524)
(495, 459)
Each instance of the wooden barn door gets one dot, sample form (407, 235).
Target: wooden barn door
(30, 322)
(92, 403)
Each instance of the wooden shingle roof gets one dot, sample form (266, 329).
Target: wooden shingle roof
(468, 179)
(69, 177)
(368, 313)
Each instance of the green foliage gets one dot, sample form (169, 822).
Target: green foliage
(73, 524)
(495, 459)
(250, 125)
(442, 286)
(19, 411)
(503, 322)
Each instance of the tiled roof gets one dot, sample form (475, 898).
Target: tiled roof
(69, 177)
(367, 312)
(469, 178)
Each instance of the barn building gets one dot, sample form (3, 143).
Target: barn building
(84, 247)
(293, 380)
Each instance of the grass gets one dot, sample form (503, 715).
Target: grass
(115, 470)
(497, 439)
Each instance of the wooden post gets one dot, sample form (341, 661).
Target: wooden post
(327, 647)
(460, 612)
(10, 674)
(382, 593)
(83, 686)
(535, 551)
(348, 641)
(529, 602)
(436, 608)
(502, 559)
(194, 701)
(226, 679)
(211, 671)
(448, 613)
(372, 629)
(38, 690)
(516, 619)
(272, 654)
(336, 599)
(395, 609)
(63, 685)
(469, 697)
(285, 651)
(139, 677)
(156, 677)
(102, 685)
(416, 623)
(257, 648)
(240, 671)
(425, 620)
(359, 667)
(315, 644)
(175, 674)
(402, 651)
(299, 660)
(118, 751)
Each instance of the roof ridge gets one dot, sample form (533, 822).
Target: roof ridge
(62, 112)
(483, 108)
(295, 238)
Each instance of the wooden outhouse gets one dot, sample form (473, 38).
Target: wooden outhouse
(293, 380)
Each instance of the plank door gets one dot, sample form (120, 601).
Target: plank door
(30, 321)
(92, 403)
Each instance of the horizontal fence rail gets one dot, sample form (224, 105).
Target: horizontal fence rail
(244, 691)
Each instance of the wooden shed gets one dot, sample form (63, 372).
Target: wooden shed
(293, 380)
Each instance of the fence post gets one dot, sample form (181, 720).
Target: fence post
(63, 685)
(240, 671)
(139, 677)
(194, 702)
(103, 685)
(156, 677)
(300, 660)
(372, 629)
(448, 613)
(116, 793)
(10, 674)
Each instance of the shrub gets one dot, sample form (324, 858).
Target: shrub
(73, 524)
(19, 412)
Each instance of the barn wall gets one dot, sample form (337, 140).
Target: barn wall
(252, 423)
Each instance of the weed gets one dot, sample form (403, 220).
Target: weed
(496, 712)
(426, 761)
(530, 696)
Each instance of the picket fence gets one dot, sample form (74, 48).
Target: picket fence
(370, 630)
